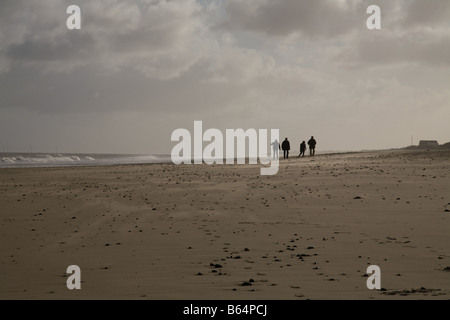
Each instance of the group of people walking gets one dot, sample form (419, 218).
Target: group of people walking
(286, 146)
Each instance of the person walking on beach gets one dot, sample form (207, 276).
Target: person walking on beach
(286, 146)
(302, 149)
(312, 146)
(276, 146)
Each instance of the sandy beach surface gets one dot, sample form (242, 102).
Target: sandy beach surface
(164, 231)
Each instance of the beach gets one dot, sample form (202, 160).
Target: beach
(165, 231)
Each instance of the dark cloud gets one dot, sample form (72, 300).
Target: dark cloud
(87, 90)
(428, 13)
(113, 34)
(312, 19)
(70, 46)
(421, 47)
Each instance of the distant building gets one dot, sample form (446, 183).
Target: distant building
(428, 144)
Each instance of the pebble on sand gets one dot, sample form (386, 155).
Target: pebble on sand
(245, 284)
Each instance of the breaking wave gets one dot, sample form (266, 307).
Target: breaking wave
(15, 160)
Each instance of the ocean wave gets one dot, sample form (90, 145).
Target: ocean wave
(45, 158)
(11, 160)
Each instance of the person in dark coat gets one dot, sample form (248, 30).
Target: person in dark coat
(286, 146)
(312, 146)
(302, 149)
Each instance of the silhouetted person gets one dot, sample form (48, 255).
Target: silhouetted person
(312, 146)
(302, 149)
(286, 146)
(276, 146)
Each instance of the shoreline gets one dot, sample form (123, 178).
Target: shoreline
(330, 153)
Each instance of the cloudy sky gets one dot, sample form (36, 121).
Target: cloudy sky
(137, 70)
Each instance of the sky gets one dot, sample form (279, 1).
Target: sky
(138, 70)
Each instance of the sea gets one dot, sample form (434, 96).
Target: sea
(30, 160)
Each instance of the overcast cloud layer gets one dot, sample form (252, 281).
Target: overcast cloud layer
(137, 70)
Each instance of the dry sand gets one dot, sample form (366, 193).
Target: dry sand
(225, 232)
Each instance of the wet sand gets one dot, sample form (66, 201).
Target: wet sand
(163, 231)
